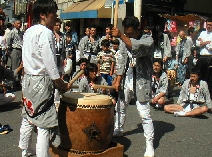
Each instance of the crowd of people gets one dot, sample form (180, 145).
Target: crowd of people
(42, 60)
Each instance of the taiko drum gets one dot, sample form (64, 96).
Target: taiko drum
(86, 122)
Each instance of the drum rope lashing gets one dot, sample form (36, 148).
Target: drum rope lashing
(86, 106)
(81, 152)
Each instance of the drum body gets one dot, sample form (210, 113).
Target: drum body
(86, 122)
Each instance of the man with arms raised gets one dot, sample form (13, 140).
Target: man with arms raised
(142, 49)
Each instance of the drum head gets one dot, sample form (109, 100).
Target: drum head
(87, 98)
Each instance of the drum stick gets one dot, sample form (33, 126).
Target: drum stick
(95, 86)
(76, 77)
(74, 86)
(116, 13)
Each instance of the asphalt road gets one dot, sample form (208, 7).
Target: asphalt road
(174, 136)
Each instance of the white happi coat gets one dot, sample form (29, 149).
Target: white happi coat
(40, 69)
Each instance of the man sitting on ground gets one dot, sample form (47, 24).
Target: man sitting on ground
(194, 97)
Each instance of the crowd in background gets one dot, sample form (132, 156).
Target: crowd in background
(104, 51)
(127, 61)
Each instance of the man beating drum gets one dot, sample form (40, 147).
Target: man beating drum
(89, 84)
(141, 47)
(40, 76)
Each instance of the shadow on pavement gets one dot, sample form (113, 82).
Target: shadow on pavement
(123, 141)
(10, 106)
(201, 117)
(161, 128)
(137, 130)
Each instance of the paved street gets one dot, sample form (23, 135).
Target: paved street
(174, 136)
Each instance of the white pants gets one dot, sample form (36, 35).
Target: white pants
(121, 106)
(187, 107)
(6, 98)
(43, 138)
(144, 112)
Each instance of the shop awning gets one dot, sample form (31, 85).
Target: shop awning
(87, 9)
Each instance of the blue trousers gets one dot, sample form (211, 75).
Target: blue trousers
(108, 78)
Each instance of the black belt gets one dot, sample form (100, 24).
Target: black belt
(90, 53)
(18, 49)
(193, 102)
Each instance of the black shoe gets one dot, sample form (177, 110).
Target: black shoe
(5, 129)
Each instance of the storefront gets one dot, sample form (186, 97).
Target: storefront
(177, 23)
(91, 12)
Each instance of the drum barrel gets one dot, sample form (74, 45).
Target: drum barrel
(85, 128)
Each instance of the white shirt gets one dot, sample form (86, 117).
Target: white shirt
(205, 36)
(2, 42)
(38, 52)
(7, 31)
(191, 96)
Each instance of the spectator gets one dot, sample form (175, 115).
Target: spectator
(87, 34)
(183, 51)
(193, 58)
(172, 74)
(89, 46)
(159, 84)
(107, 33)
(87, 31)
(115, 45)
(106, 62)
(165, 46)
(204, 63)
(4, 96)
(69, 29)
(7, 31)
(80, 48)
(2, 18)
(60, 54)
(115, 49)
(14, 43)
(59, 45)
(194, 97)
(3, 48)
(82, 63)
(70, 50)
(192, 36)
